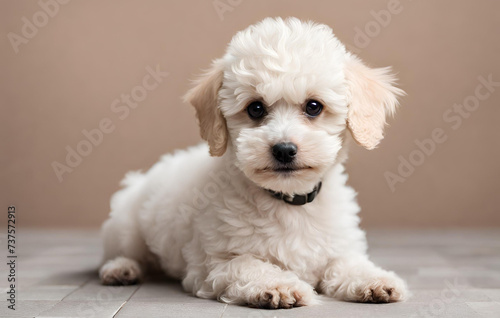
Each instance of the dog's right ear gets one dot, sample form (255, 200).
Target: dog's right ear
(204, 97)
(372, 97)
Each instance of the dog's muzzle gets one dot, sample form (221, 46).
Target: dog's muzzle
(297, 199)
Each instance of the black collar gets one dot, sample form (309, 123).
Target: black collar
(297, 199)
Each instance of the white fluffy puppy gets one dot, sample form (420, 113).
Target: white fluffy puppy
(266, 220)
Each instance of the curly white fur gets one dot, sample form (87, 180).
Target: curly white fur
(209, 220)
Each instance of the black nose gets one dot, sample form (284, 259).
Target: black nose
(284, 152)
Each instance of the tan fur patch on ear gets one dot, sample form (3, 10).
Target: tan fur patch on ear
(372, 97)
(204, 97)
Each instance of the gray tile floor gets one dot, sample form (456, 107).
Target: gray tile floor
(451, 273)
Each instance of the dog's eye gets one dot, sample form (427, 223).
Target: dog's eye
(313, 108)
(256, 110)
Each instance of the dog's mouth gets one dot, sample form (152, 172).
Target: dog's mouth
(285, 169)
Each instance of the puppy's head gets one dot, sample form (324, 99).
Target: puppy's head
(282, 99)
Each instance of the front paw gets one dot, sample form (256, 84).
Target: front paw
(380, 290)
(283, 297)
(275, 296)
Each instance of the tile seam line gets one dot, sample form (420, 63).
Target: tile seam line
(223, 311)
(120, 308)
(126, 301)
(79, 287)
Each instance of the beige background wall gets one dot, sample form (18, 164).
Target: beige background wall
(65, 78)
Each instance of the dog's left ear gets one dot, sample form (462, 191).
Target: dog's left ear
(372, 97)
(204, 97)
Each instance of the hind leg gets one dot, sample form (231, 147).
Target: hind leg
(125, 253)
(121, 271)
